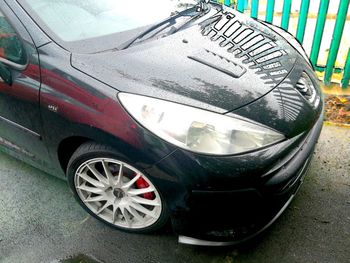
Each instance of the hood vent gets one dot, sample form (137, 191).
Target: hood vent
(219, 63)
(253, 45)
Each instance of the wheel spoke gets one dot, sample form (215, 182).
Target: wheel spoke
(134, 213)
(90, 189)
(133, 192)
(92, 181)
(97, 174)
(115, 211)
(107, 171)
(145, 201)
(131, 182)
(120, 174)
(126, 216)
(95, 199)
(142, 209)
(107, 204)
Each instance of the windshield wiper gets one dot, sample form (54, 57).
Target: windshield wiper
(194, 13)
(202, 5)
(174, 29)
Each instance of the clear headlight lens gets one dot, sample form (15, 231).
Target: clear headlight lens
(195, 129)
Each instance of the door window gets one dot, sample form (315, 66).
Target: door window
(11, 48)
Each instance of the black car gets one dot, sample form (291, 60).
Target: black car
(160, 111)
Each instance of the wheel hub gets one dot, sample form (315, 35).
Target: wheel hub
(118, 193)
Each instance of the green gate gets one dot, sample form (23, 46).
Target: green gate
(268, 6)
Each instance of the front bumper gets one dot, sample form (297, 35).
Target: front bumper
(229, 200)
(227, 238)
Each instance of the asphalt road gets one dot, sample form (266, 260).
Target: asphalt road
(41, 222)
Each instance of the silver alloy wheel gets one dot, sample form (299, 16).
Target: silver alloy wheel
(118, 193)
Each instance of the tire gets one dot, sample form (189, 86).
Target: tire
(114, 191)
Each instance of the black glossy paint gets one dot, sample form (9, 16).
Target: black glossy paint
(173, 69)
(64, 97)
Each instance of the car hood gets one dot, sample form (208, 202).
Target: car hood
(221, 63)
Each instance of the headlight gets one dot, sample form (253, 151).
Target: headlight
(197, 130)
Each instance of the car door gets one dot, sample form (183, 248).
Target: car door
(20, 120)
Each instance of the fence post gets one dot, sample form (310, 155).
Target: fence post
(241, 5)
(337, 34)
(287, 5)
(269, 11)
(346, 72)
(255, 9)
(304, 9)
(321, 20)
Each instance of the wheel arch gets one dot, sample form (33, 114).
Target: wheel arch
(67, 147)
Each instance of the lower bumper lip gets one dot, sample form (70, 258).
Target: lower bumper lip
(200, 242)
(203, 242)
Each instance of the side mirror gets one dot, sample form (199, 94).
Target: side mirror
(5, 74)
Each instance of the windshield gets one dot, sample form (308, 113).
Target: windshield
(85, 19)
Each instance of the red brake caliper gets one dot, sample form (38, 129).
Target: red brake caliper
(140, 184)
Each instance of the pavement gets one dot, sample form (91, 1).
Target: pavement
(41, 222)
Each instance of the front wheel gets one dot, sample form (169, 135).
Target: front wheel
(114, 191)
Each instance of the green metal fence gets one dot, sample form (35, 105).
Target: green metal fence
(318, 35)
